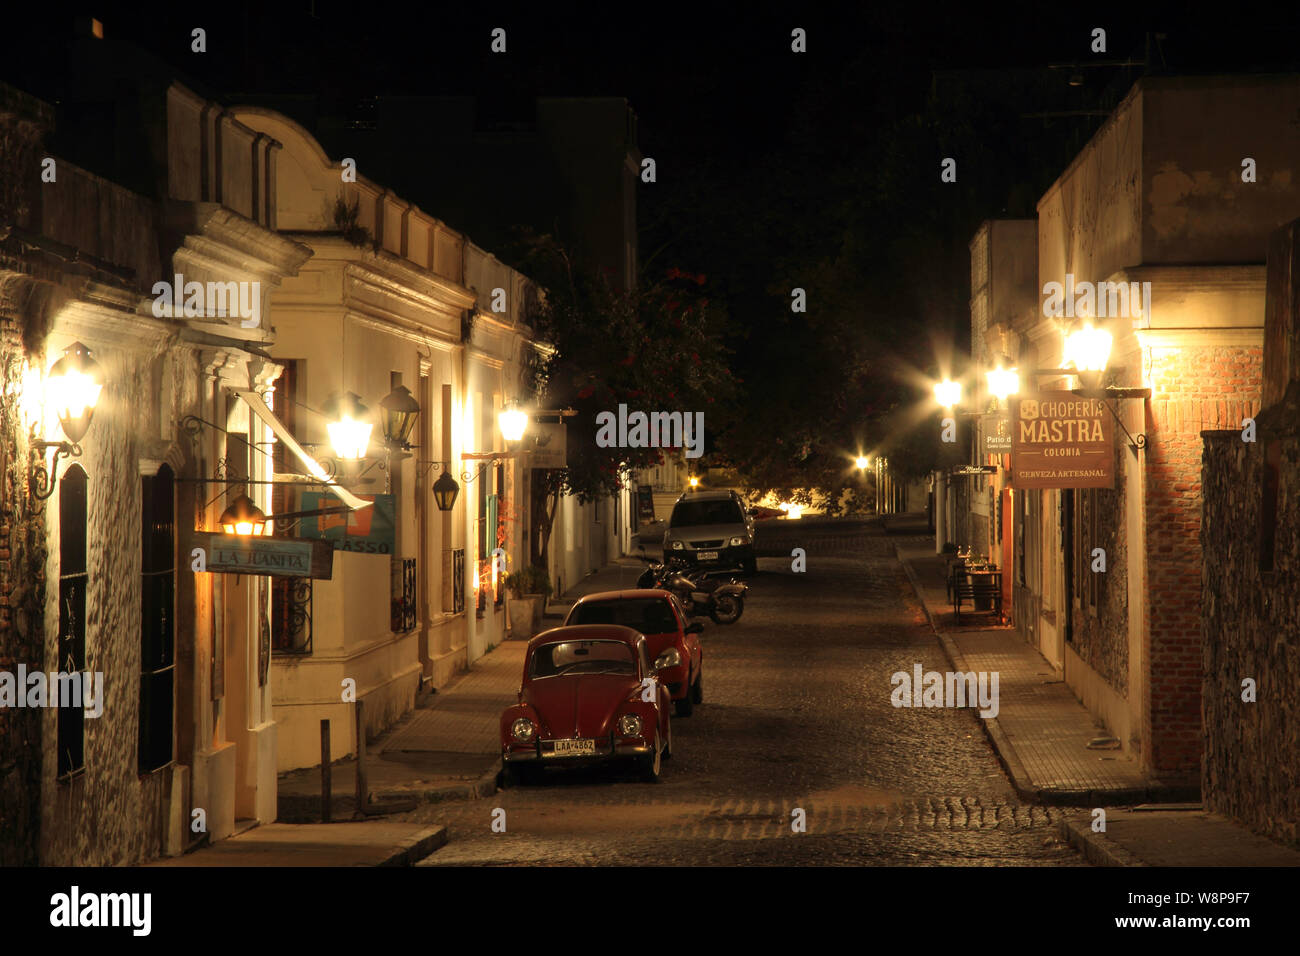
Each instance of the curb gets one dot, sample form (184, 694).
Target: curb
(306, 808)
(415, 848)
(1096, 848)
(1010, 760)
(483, 786)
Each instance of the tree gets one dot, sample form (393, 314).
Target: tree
(658, 347)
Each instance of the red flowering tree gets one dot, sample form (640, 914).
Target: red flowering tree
(659, 347)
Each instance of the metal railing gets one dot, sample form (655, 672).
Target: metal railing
(453, 580)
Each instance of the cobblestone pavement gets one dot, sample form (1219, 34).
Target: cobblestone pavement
(796, 716)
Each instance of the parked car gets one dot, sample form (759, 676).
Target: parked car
(672, 639)
(589, 694)
(711, 529)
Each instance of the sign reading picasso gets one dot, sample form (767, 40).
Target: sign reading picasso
(365, 531)
(1059, 440)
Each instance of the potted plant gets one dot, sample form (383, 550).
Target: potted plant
(528, 589)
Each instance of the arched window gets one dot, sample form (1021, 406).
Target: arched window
(157, 624)
(72, 615)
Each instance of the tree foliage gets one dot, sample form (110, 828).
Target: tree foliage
(659, 347)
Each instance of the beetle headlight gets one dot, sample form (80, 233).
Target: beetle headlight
(629, 725)
(669, 658)
(737, 541)
(523, 730)
(678, 546)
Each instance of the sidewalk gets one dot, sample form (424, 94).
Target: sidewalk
(1042, 732)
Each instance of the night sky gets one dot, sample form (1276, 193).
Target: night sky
(775, 169)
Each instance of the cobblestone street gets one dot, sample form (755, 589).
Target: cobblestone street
(796, 715)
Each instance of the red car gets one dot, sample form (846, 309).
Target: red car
(589, 694)
(671, 638)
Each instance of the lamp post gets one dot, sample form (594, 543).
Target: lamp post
(243, 518)
(72, 389)
(348, 427)
(400, 411)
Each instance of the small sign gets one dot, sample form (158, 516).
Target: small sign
(997, 433)
(1061, 440)
(546, 444)
(645, 504)
(365, 531)
(280, 557)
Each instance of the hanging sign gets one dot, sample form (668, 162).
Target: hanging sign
(366, 531)
(1060, 440)
(255, 554)
(997, 433)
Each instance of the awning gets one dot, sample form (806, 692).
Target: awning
(254, 402)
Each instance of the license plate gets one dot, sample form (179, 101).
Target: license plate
(572, 748)
(708, 555)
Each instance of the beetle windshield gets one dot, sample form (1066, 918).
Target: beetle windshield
(582, 657)
(647, 615)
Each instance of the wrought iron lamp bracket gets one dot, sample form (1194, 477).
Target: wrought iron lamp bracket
(43, 484)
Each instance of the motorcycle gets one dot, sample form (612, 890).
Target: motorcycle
(723, 603)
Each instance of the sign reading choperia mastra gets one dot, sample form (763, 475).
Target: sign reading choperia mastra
(1060, 440)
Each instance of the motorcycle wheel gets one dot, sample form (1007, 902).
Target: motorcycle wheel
(727, 609)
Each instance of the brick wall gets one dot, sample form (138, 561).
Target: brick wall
(1194, 389)
(1250, 628)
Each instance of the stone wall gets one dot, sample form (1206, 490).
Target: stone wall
(22, 599)
(1251, 629)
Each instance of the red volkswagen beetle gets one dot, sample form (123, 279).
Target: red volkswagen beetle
(589, 694)
(672, 641)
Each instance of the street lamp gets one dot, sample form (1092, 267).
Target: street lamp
(243, 517)
(947, 393)
(1003, 382)
(72, 389)
(694, 481)
(1088, 349)
(400, 410)
(445, 491)
(348, 429)
(861, 462)
(513, 422)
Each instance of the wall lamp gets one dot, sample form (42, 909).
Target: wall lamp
(445, 489)
(73, 387)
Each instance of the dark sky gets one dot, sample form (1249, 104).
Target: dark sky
(731, 115)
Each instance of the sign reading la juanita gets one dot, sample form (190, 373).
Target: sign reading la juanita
(1059, 440)
(248, 554)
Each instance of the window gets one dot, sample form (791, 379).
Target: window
(157, 635)
(291, 598)
(72, 614)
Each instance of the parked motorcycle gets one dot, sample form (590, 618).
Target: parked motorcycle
(700, 596)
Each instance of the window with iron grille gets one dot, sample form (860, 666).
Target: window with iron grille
(157, 628)
(72, 614)
(404, 591)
